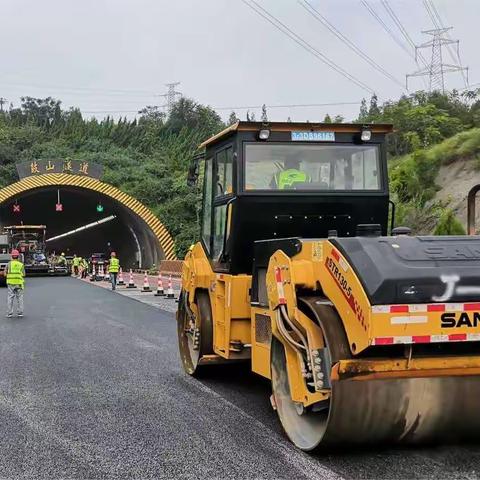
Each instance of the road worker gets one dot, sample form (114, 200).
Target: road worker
(61, 260)
(290, 176)
(80, 264)
(84, 265)
(76, 264)
(15, 283)
(114, 267)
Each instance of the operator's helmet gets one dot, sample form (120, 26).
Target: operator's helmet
(63, 254)
(15, 253)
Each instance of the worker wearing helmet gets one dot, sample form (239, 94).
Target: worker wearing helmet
(75, 263)
(15, 283)
(61, 260)
(84, 265)
(113, 269)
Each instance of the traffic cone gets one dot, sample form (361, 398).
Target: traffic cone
(92, 275)
(100, 273)
(106, 277)
(130, 281)
(146, 285)
(121, 281)
(159, 292)
(170, 293)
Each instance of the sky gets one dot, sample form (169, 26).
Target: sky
(115, 56)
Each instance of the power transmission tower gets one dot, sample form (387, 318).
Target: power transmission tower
(437, 69)
(2, 102)
(171, 95)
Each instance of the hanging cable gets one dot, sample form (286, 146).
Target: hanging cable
(351, 45)
(304, 44)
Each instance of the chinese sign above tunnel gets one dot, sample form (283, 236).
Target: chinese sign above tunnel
(74, 167)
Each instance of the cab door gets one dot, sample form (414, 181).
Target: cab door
(218, 197)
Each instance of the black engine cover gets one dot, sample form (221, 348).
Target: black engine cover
(407, 269)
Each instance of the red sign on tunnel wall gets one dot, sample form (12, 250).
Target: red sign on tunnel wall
(59, 207)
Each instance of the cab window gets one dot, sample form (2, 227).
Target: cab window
(312, 167)
(207, 203)
(224, 160)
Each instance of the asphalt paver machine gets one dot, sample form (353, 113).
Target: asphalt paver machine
(366, 337)
(29, 240)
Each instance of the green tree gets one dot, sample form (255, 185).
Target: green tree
(232, 119)
(448, 224)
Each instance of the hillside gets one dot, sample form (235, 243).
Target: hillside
(428, 183)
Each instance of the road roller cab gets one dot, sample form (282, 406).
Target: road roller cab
(365, 337)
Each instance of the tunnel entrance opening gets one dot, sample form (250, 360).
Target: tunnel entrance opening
(132, 230)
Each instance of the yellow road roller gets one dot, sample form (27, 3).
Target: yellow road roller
(367, 333)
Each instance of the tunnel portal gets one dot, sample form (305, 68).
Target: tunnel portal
(137, 236)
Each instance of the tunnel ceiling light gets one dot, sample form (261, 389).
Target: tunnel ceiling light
(80, 229)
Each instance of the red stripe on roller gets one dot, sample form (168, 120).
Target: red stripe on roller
(335, 255)
(471, 306)
(399, 309)
(435, 307)
(421, 339)
(457, 337)
(384, 341)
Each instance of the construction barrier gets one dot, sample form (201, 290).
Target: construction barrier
(171, 267)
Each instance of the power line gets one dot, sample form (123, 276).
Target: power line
(324, 21)
(304, 44)
(375, 15)
(402, 29)
(298, 105)
(87, 90)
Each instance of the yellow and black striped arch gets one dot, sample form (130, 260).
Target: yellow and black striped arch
(59, 179)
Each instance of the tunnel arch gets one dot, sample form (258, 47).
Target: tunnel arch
(140, 213)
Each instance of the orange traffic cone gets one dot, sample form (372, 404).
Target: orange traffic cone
(170, 293)
(146, 285)
(121, 281)
(130, 281)
(159, 292)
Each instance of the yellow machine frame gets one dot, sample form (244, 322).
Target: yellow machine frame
(319, 268)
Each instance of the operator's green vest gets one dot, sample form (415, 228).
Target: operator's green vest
(76, 261)
(289, 177)
(61, 260)
(15, 273)
(114, 265)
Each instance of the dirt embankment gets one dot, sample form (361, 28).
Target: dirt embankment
(454, 182)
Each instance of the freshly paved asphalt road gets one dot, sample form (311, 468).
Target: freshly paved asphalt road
(91, 387)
